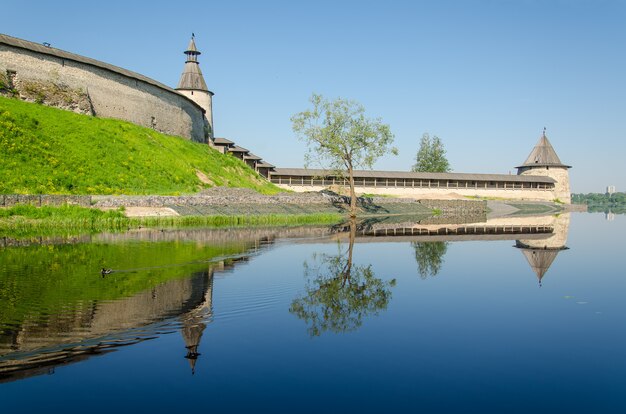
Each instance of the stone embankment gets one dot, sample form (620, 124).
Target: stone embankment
(237, 201)
(228, 201)
(38, 200)
(216, 196)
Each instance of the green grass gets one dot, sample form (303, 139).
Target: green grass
(27, 221)
(50, 151)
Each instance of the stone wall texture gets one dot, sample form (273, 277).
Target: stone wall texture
(443, 193)
(561, 175)
(111, 94)
(38, 200)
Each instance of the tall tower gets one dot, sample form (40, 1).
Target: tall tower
(193, 86)
(543, 161)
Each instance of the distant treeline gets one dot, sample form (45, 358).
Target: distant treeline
(598, 202)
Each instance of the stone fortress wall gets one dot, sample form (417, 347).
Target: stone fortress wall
(443, 193)
(51, 76)
(54, 77)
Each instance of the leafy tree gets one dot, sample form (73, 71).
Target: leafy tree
(602, 202)
(429, 257)
(339, 294)
(431, 156)
(340, 137)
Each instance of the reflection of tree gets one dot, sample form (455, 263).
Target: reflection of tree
(339, 294)
(429, 257)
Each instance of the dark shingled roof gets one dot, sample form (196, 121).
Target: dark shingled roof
(305, 172)
(222, 141)
(543, 155)
(46, 50)
(251, 156)
(237, 148)
(265, 165)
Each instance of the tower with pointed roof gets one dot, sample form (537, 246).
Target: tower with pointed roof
(543, 161)
(193, 86)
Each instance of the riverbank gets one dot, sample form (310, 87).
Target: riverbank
(37, 215)
(241, 201)
(28, 221)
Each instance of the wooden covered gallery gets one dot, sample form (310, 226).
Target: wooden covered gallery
(302, 177)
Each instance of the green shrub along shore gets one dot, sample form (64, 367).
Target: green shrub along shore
(27, 221)
(46, 150)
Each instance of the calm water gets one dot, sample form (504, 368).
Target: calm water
(527, 317)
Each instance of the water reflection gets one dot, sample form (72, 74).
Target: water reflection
(55, 308)
(339, 294)
(542, 252)
(194, 323)
(540, 238)
(429, 257)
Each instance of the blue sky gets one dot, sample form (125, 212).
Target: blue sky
(484, 75)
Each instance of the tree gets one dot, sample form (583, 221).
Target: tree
(429, 257)
(431, 156)
(341, 138)
(339, 294)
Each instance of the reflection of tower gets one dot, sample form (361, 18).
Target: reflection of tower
(193, 86)
(194, 322)
(541, 253)
(543, 161)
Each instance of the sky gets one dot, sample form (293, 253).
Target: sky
(485, 76)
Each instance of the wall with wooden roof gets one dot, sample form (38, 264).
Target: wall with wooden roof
(112, 92)
(422, 185)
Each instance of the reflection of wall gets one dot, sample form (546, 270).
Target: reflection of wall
(506, 228)
(97, 327)
(541, 253)
(558, 239)
(540, 238)
(103, 318)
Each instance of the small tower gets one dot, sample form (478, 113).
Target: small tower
(543, 161)
(193, 86)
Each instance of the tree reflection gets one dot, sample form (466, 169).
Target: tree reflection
(339, 295)
(429, 257)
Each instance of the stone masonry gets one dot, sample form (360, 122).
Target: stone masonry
(113, 92)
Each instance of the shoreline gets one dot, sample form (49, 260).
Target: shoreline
(234, 207)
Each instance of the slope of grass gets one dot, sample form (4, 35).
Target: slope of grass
(49, 151)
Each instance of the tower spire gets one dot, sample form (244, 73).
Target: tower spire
(543, 155)
(191, 78)
(192, 84)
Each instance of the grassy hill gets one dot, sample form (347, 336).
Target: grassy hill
(50, 151)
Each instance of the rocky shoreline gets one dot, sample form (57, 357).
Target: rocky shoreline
(239, 201)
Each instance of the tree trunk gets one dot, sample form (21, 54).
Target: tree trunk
(352, 192)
